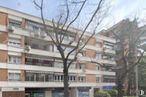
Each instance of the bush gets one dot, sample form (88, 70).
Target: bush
(113, 93)
(143, 96)
(102, 94)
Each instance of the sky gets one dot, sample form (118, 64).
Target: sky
(119, 9)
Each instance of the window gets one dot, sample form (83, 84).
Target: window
(72, 66)
(98, 43)
(97, 79)
(14, 42)
(35, 46)
(14, 59)
(14, 76)
(50, 47)
(108, 57)
(68, 49)
(35, 29)
(57, 77)
(72, 78)
(108, 45)
(40, 77)
(58, 64)
(97, 67)
(30, 77)
(98, 56)
(14, 23)
(81, 79)
(81, 66)
(49, 77)
(109, 79)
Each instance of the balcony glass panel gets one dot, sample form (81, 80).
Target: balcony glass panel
(14, 77)
(39, 62)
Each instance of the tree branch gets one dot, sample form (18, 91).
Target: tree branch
(43, 20)
(97, 9)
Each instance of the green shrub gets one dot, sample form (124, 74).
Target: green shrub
(143, 96)
(102, 94)
(113, 92)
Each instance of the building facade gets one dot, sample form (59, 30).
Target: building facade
(31, 66)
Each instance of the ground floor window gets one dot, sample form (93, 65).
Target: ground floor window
(57, 93)
(83, 92)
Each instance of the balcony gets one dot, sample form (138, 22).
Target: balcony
(46, 62)
(45, 53)
(3, 46)
(37, 68)
(15, 49)
(39, 62)
(108, 79)
(29, 84)
(34, 76)
(100, 72)
(94, 60)
(110, 51)
(28, 33)
(104, 61)
(101, 37)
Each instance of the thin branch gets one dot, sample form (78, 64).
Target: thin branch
(66, 19)
(72, 41)
(43, 20)
(132, 66)
(82, 6)
(55, 31)
(83, 45)
(37, 5)
(138, 37)
(97, 9)
(67, 15)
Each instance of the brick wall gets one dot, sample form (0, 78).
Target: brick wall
(3, 56)
(3, 18)
(3, 37)
(3, 74)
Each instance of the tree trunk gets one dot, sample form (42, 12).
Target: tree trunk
(120, 88)
(66, 85)
(129, 87)
(131, 91)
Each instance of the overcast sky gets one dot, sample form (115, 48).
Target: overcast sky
(120, 9)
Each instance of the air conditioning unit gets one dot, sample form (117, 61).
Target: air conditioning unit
(10, 28)
(27, 48)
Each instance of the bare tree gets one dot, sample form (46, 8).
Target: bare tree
(129, 53)
(62, 27)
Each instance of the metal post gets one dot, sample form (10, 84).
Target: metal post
(136, 77)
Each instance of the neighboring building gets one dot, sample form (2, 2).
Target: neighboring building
(30, 64)
(129, 39)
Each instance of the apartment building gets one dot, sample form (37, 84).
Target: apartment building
(31, 66)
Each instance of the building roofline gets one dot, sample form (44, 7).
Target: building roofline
(34, 18)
